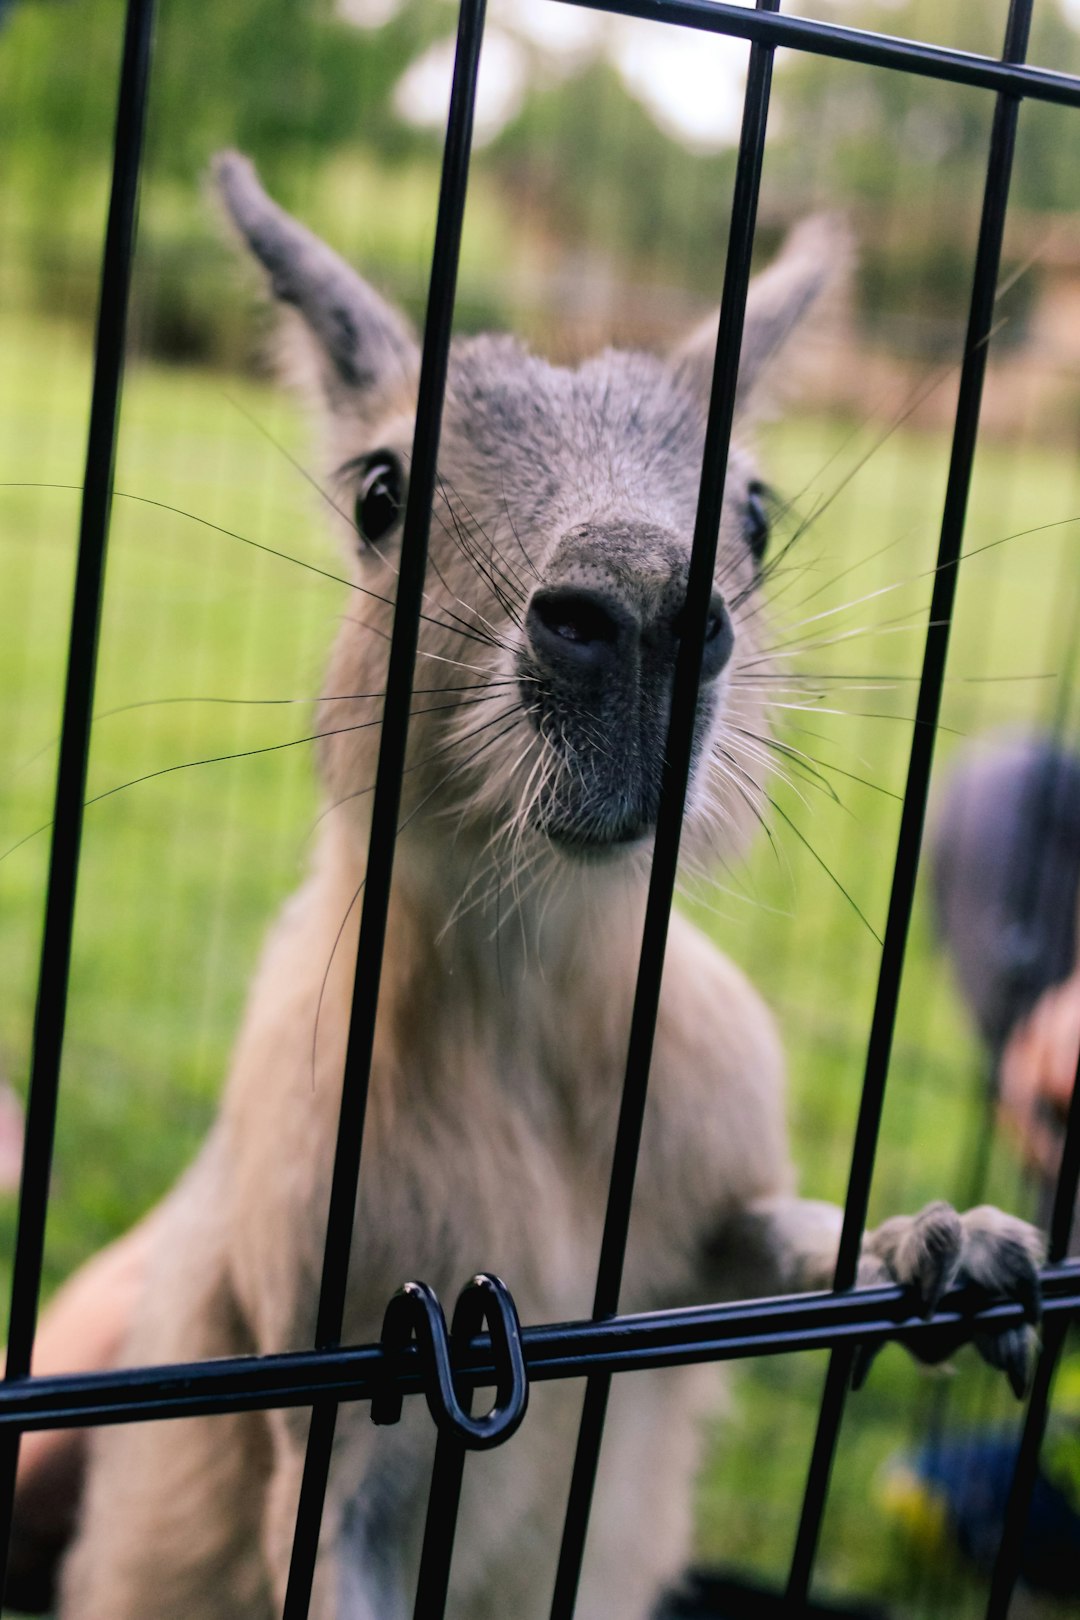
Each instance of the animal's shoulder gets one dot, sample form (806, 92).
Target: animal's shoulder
(710, 1012)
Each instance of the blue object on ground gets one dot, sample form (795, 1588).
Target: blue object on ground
(959, 1488)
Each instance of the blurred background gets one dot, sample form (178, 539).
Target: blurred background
(598, 213)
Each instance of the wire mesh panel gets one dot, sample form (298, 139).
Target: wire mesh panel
(485, 1345)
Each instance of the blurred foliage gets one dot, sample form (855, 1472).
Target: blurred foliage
(580, 168)
(885, 138)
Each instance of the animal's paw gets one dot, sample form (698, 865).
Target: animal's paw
(987, 1254)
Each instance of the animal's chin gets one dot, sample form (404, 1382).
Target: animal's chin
(591, 844)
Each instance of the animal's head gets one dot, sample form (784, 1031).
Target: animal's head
(559, 551)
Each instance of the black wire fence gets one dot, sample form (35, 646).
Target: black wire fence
(485, 1345)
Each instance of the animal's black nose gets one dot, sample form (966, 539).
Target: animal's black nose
(579, 628)
(719, 636)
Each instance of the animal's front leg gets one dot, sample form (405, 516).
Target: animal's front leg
(777, 1245)
(784, 1245)
(279, 1523)
(363, 1570)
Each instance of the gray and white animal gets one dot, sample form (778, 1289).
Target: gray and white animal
(560, 544)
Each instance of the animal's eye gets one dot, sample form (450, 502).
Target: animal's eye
(756, 518)
(380, 497)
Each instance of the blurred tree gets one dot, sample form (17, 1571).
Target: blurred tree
(581, 161)
(886, 135)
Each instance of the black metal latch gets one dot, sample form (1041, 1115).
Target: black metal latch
(415, 1313)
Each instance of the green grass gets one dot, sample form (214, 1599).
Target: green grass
(182, 873)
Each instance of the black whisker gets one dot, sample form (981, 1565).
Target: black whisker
(270, 551)
(500, 587)
(867, 714)
(514, 531)
(245, 753)
(326, 974)
(298, 466)
(788, 750)
(830, 874)
(437, 753)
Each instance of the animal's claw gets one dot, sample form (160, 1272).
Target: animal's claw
(1002, 1256)
(988, 1255)
(1012, 1351)
(865, 1356)
(922, 1252)
(928, 1255)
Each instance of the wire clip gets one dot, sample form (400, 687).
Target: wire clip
(415, 1313)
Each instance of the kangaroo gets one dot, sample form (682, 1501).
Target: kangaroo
(559, 553)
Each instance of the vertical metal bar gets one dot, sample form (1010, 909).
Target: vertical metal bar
(1007, 1563)
(433, 1581)
(50, 1012)
(1026, 903)
(676, 770)
(387, 799)
(1014, 1526)
(1061, 1220)
(987, 261)
(579, 1498)
(309, 1510)
(394, 732)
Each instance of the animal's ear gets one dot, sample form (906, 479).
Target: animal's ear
(359, 350)
(815, 259)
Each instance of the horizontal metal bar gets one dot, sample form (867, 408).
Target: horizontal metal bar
(552, 1351)
(852, 45)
